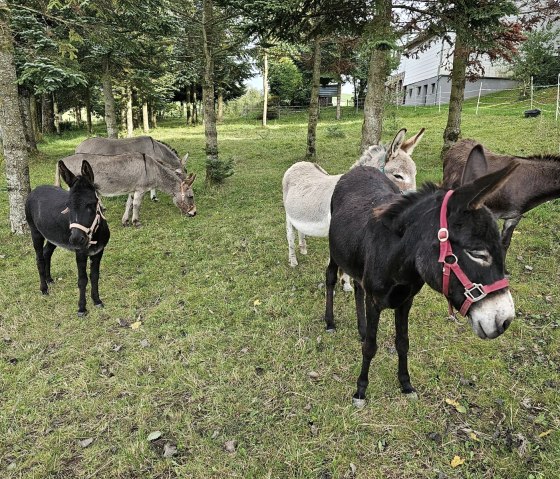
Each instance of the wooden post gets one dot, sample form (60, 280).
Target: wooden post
(478, 101)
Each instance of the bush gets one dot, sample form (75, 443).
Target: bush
(334, 131)
(218, 170)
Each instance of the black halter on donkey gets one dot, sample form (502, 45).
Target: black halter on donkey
(473, 291)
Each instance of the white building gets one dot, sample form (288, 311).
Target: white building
(425, 78)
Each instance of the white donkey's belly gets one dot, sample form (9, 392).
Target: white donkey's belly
(313, 228)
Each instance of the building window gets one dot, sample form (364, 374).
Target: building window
(433, 88)
(410, 93)
(418, 90)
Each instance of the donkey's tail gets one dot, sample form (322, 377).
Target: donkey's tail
(56, 175)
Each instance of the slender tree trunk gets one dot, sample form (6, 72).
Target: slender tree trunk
(153, 116)
(195, 106)
(338, 98)
(145, 117)
(78, 112)
(372, 126)
(311, 153)
(88, 112)
(47, 114)
(452, 131)
(265, 87)
(16, 156)
(220, 116)
(210, 129)
(26, 117)
(189, 104)
(110, 108)
(33, 113)
(56, 115)
(129, 119)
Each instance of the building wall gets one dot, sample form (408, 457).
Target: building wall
(427, 92)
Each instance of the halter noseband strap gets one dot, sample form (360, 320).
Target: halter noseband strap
(93, 228)
(473, 291)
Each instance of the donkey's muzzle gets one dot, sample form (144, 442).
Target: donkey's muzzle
(491, 316)
(78, 239)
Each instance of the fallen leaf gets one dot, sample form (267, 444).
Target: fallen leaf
(116, 347)
(86, 442)
(545, 433)
(314, 429)
(458, 406)
(474, 437)
(169, 450)
(528, 268)
(215, 434)
(229, 446)
(154, 435)
(456, 461)
(136, 325)
(256, 302)
(313, 375)
(145, 343)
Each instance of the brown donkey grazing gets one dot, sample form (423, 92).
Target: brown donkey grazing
(391, 244)
(535, 181)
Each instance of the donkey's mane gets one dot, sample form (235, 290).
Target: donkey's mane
(392, 210)
(545, 157)
(370, 154)
(168, 146)
(85, 182)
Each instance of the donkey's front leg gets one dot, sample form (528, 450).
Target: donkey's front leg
(291, 243)
(127, 208)
(136, 207)
(302, 243)
(359, 298)
(330, 281)
(401, 345)
(81, 262)
(48, 250)
(369, 348)
(95, 262)
(38, 242)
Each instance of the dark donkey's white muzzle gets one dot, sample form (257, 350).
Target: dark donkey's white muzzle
(491, 316)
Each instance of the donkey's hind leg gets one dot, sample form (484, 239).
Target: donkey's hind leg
(153, 196)
(81, 262)
(359, 298)
(346, 282)
(38, 242)
(48, 251)
(136, 202)
(302, 243)
(127, 208)
(330, 281)
(291, 243)
(401, 345)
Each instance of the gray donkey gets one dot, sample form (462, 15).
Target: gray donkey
(158, 150)
(133, 174)
(307, 190)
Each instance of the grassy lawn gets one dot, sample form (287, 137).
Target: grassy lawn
(229, 334)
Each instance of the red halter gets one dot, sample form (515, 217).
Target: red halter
(473, 291)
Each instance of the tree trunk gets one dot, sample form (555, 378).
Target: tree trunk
(56, 115)
(88, 112)
(210, 130)
(372, 126)
(189, 104)
(33, 113)
(110, 108)
(129, 119)
(220, 117)
(338, 98)
(452, 131)
(11, 123)
(265, 87)
(195, 106)
(78, 112)
(311, 153)
(26, 118)
(153, 116)
(47, 114)
(145, 117)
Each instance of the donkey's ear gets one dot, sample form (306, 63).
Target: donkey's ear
(474, 194)
(184, 162)
(87, 171)
(409, 145)
(476, 165)
(68, 177)
(190, 179)
(397, 142)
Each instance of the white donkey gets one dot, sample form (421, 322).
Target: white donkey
(307, 190)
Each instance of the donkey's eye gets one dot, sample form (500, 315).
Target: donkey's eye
(480, 256)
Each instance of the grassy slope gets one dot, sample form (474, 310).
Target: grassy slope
(221, 365)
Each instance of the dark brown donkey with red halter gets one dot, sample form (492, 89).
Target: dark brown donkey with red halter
(72, 220)
(391, 244)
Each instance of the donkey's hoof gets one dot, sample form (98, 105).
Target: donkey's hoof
(50, 280)
(303, 250)
(331, 330)
(45, 292)
(293, 262)
(125, 223)
(99, 305)
(136, 224)
(81, 314)
(155, 199)
(358, 403)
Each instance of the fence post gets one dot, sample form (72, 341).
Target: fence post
(531, 92)
(478, 101)
(558, 98)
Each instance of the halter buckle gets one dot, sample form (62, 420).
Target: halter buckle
(443, 234)
(475, 293)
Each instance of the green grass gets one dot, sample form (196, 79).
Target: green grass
(220, 365)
